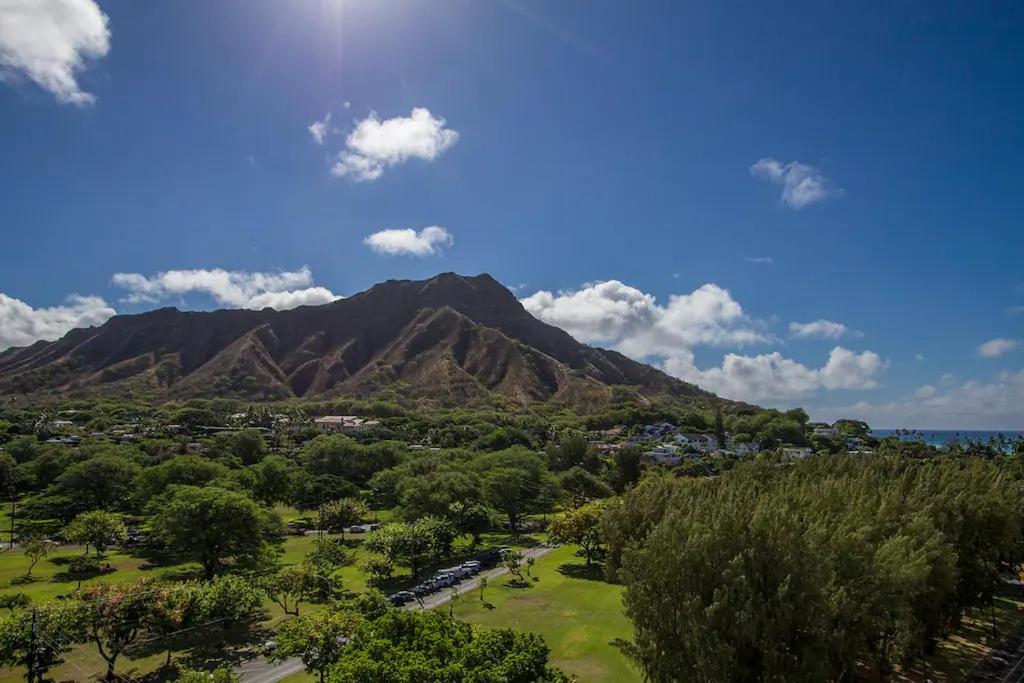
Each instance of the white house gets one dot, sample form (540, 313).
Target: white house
(332, 424)
(665, 455)
(705, 443)
(790, 453)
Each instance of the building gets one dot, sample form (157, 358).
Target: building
(703, 443)
(790, 453)
(334, 424)
(665, 455)
(825, 432)
(746, 448)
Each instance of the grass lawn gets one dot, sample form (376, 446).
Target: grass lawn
(83, 659)
(578, 617)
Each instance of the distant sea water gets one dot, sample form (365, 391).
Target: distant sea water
(942, 437)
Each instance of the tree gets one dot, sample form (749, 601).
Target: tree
(411, 544)
(228, 599)
(103, 482)
(378, 567)
(37, 639)
(338, 514)
(471, 518)
(290, 587)
(483, 585)
(221, 674)
(35, 550)
(513, 562)
(274, 478)
(309, 492)
(247, 445)
(513, 491)
(580, 526)
(190, 470)
(97, 528)
(212, 525)
(325, 558)
(582, 486)
(317, 639)
(573, 451)
(173, 608)
(113, 616)
(430, 646)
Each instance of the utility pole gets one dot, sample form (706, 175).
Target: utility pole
(32, 648)
(14, 510)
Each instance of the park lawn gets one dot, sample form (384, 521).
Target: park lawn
(578, 617)
(83, 659)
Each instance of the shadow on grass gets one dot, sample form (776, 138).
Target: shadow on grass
(519, 584)
(204, 648)
(595, 572)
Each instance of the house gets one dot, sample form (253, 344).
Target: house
(825, 432)
(790, 453)
(703, 443)
(665, 455)
(333, 424)
(746, 448)
(659, 429)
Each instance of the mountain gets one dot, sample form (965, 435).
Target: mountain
(449, 338)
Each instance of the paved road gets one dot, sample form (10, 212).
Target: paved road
(261, 670)
(445, 594)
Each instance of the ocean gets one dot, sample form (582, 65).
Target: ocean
(941, 437)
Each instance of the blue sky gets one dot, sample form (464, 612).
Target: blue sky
(692, 183)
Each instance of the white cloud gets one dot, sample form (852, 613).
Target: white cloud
(47, 41)
(320, 129)
(22, 325)
(767, 260)
(631, 321)
(994, 404)
(235, 289)
(773, 378)
(821, 329)
(995, 348)
(920, 357)
(615, 314)
(802, 184)
(375, 145)
(407, 242)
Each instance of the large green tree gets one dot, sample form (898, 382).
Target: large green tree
(213, 526)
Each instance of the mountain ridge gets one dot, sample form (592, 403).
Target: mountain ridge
(450, 337)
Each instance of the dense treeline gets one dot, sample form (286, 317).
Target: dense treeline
(837, 568)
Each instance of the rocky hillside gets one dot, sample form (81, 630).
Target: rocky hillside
(449, 337)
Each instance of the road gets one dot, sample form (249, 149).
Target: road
(261, 670)
(444, 595)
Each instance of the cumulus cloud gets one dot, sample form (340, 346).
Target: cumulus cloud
(375, 145)
(993, 404)
(821, 329)
(235, 289)
(48, 41)
(996, 348)
(320, 129)
(802, 184)
(407, 242)
(22, 325)
(615, 314)
(773, 378)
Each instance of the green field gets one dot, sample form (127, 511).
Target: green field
(578, 617)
